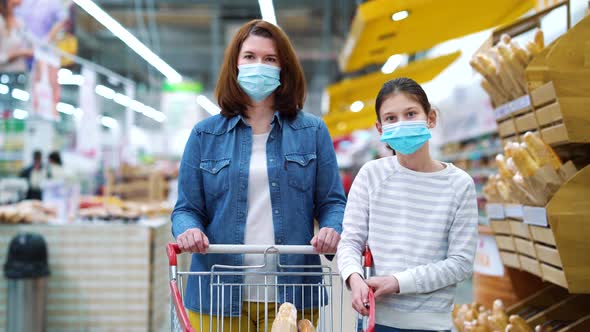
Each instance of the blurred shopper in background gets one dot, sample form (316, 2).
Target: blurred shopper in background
(55, 170)
(35, 175)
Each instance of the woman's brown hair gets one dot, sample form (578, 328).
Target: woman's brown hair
(289, 96)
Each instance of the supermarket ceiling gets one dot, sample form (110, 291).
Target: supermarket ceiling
(191, 35)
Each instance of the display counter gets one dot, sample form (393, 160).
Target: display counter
(104, 276)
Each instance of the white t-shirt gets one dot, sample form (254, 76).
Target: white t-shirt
(259, 223)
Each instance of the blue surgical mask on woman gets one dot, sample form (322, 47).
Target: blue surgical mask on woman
(406, 137)
(259, 80)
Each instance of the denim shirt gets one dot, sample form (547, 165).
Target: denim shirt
(304, 185)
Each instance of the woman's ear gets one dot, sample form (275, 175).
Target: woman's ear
(432, 118)
(379, 128)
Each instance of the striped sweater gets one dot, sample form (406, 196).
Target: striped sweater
(421, 228)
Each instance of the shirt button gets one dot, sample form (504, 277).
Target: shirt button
(214, 169)
(271, 160)
(274, 184)
(276, 211)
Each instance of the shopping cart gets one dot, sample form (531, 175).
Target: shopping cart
(328, 290)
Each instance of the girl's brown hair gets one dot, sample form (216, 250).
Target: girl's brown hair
(289, 96)
(404, 85)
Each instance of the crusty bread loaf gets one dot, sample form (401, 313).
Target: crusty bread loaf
(286, 319)
(306, 326)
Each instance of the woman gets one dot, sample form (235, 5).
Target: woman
(55, 170)
(258, 173)
(418, 216)
(14, 48)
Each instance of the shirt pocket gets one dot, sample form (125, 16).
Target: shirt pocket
(301, 169)
(215, 176)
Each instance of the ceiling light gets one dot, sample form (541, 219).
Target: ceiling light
(268, 11)
(20, 95)
(122, 100)
(391, 64)
(78, 113)
(130, 40)
(65, 108)
(4, 89)
(64, 72)
(103, 91)
(153, 114)
(71, 80)
(137, 106)
(109, 122)
(4, 79)
(208, 105)
(20, 114)
(357, 106)
(399, 16)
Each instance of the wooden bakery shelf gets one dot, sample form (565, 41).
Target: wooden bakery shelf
(557, 106)
(554, 308)
(563, 314)
(559, 252)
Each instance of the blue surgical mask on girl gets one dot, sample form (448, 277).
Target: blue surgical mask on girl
(259, 80)
(406, 137)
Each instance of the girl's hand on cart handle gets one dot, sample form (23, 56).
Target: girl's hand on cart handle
(383, 285)
(326, 241)
(193, 240)
(360, 294)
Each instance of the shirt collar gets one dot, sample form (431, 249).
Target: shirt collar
(233, 122)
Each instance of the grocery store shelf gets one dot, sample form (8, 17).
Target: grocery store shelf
(472, 155)
(11, 155)
(483, 220)
(482, 172)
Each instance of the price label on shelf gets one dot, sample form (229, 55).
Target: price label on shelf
(514, 211)
(513, 106)
(495, 211)
(535, 216)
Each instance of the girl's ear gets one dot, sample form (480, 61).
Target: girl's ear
(432, 118)
(379, 127)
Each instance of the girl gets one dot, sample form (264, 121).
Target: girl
(418, 216)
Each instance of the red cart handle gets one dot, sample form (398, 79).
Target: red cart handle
(172, 249)
(371, 326)
(368, 257)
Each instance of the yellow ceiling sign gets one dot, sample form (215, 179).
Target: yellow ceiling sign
(341, 121)
(375, 36)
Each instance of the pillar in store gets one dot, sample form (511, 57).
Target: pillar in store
(128, 152)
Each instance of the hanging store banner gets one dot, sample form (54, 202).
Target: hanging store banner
(87, 127)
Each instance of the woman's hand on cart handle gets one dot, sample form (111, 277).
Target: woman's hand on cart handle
(193, 240)
(326, 241)
(383, 285)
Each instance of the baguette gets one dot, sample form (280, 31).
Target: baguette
(524, 162)
(541, 152)
(533, 48)
(540, 39)
(286, 319)
(505, 172)
(522, 55)
(514, 70)
(520, 324)
(305, 326)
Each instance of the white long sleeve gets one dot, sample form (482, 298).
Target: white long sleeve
(421, 228)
